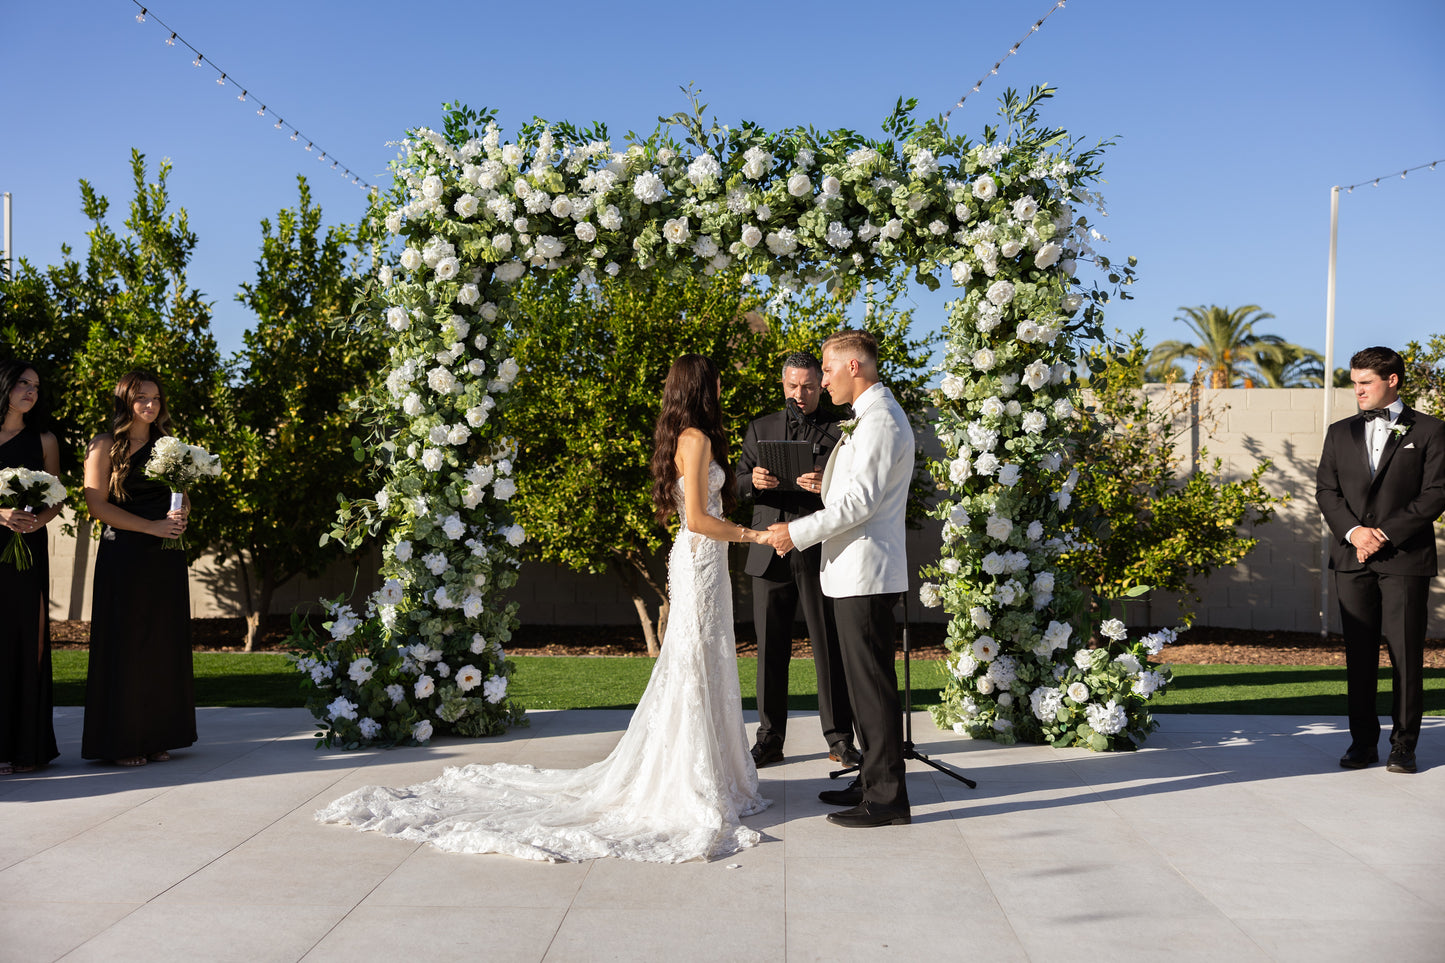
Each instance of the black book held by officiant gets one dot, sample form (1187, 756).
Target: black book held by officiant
(786, 461)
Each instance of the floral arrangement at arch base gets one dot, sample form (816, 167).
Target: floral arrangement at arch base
(470, 215)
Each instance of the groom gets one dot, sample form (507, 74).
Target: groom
(864, 569)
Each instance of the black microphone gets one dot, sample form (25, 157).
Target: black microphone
(794, 409)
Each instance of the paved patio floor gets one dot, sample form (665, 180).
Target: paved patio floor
(1230, 838)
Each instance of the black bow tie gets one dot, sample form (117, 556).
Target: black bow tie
(1370, 413)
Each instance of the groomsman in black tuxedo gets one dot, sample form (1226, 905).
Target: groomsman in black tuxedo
(781, 584)
(1381, 485)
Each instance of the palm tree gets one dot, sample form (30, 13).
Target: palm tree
(1229, 353)
(1298, 367)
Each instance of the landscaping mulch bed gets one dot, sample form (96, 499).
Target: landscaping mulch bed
(1196, 646)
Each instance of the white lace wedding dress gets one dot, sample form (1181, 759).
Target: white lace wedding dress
(674, 789)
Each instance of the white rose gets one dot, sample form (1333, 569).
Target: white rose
(447, 268)
(1000, 293)
(1009, 475)
(1078, 692)
(469, 294)
(752, 236)
(1048, 256)
(984, 188)
(998, 527)
(962, 272)
(928, 595)
(1036, 375)
(676, 230)
(1034, 422)
(798, 185)
(466, 206)
(984, 359)
(1010, 248)
(422, 731)
(411, 259)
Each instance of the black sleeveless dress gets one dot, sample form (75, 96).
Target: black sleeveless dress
(139, 694)
(27, 734)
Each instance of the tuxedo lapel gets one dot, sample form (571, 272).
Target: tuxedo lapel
(1358, 432)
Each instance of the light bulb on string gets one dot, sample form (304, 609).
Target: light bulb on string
(241, 96)
(277, 125)
(308, 145)
(293, 134)
(262, 111)
(141, 17)
(221, 80)
(171, 40)
(197, 61)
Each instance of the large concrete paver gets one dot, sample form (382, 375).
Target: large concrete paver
(1228, 838)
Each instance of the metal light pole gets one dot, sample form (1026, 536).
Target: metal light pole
(1329, 385)
(9, 247)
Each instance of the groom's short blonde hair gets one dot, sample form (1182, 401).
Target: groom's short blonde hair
(858, 344)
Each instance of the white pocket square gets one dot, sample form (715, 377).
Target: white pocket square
(1410, 445)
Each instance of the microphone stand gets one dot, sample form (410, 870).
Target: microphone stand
(909, 750)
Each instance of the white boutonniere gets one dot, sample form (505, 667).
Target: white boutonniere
(847, 427)
(1399, 430)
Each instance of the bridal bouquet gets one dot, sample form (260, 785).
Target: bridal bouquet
(29, 491)
(180, 466)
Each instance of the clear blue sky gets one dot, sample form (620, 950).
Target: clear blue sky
(1233, 118)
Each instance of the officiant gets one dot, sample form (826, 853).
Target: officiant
(782, 584)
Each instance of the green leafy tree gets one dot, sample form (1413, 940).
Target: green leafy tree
(1229, 352)
(585, 412)
(127, 305)
(287, 452)
(1148, 522)
(595, 366)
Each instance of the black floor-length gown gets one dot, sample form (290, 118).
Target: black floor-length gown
(139, 695)
(27, 733)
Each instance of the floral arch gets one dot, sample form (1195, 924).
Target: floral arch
(1005, 220)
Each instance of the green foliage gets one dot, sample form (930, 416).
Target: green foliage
(596, 362)
(1147, 522)
(287, 452)
(364, 689)
(126, 306)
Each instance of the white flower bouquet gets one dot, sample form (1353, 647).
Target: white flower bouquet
(27, 490)
(180, 466)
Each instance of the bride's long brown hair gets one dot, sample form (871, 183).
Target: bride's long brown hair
(689, 400)
(122, 415)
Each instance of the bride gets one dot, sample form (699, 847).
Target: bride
(681, 778)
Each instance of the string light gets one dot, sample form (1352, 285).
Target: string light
(1376, 181)
(1011, 51)
(280, 124)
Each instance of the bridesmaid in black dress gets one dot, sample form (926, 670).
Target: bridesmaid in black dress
(27, 733)
(139, 698)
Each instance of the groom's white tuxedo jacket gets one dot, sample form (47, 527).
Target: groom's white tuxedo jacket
(865, 496)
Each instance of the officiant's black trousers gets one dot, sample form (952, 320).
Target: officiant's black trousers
(1375, 606)
(866, 638)
(775, 603)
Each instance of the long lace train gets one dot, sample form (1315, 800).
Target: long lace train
(675, 788)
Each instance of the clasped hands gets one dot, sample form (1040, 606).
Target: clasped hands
(19, 520)
(173, 525)
(1367, 542)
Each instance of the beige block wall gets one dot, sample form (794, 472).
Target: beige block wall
(215, 587)
(1277, 586)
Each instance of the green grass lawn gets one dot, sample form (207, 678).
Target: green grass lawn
(250, 679)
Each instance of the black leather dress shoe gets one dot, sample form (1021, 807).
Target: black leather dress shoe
(866, 815)
(852, 795)
(845, 753)
(1401, 760)
(1358, 757)
(767, 753)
